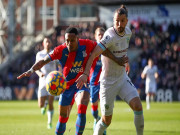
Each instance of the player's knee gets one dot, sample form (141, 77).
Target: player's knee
(137, 107)
(106, 120)
(63, 114)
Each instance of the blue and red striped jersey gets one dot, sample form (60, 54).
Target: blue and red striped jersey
(73, 63)
(95, 71)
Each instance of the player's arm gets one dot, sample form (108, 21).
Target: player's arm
(37, 66)
(83, 78)
(156, 75)
(121, 61)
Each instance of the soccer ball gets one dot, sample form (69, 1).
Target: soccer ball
(55, 83)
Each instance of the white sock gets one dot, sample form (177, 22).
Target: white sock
(100, 127)
(139, 122)
(50, 115)
(148, 102)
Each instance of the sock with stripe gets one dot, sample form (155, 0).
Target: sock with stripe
(81, 119)
(61, 125)
(139, 122)
(94, 111)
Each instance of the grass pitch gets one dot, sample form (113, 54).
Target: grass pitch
(24, 118)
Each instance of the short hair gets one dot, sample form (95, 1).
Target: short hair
(122, 10)
(99, 29)
(72, 30)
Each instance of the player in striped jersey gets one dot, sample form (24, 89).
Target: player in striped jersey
(114, 79)
(73, 56)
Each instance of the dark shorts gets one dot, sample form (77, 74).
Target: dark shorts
(67, 97)
(94, 93)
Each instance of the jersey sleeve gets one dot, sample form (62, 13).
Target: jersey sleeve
(37, 57)
(56, 53)
(145, 70)
(106, 41)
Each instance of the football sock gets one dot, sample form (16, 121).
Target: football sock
(147, 102)
(100, 128)
(50, 115)
(94, 111)
(61, 125)
(139, 122)
(81, 119)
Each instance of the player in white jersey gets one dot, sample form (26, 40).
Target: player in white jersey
(114, 79)
(151, 74)
(43, 95)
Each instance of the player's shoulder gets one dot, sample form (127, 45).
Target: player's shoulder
(128, 30)
(110, 31)
(86, 42)
(40, 52)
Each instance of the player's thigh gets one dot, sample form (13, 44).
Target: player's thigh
(50, 99)
(108, 94)
(41, 101)
(128, 91)
(82, 97)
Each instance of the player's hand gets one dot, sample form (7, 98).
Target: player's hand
(42, 75)
(127, 68)
(123, 60)
(25, 74)
(82, 80)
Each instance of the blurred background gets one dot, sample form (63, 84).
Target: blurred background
(24, 23)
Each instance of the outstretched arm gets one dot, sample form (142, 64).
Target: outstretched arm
(38, 65)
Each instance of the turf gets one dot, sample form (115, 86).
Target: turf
(24, 118)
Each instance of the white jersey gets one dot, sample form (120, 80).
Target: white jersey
(46, 69)
(150, 72)
(118, 45)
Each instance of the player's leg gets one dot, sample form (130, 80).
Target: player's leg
(82, 100)
(64, 112)
(147, 96)
(94, 98)
(42, 97)
(50, 112)
(107, 95)
(129, 94)
(66, 101)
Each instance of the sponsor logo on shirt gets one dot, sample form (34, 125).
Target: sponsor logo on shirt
(84, 53)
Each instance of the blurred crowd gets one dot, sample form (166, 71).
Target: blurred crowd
(161, 42)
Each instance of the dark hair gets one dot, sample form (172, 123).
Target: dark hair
(122, 10)
(99, 29)
(72, 30)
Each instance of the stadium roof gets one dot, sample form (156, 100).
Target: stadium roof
(114, 2)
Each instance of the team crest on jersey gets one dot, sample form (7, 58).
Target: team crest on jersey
(84, 53)
(127, 39)
(106, 39)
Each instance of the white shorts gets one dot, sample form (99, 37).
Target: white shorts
(108, 92)
(42, 88)
(150, 87)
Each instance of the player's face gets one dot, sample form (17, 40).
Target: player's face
(47, 43)
(150, 63)
(99, 35)
(71, 41)
(120, 22)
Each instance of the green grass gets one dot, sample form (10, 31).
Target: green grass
(24, 118)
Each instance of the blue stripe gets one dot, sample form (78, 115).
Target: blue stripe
(102, 46)
(138, 112)
(64, 57)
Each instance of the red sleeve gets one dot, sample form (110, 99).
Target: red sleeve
(57, 52)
